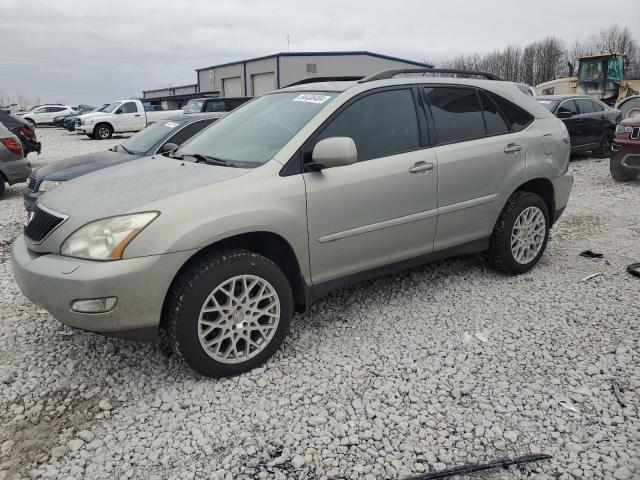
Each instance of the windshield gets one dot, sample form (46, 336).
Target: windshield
(193, 106)
(111, 107)
(255, 132)
(141, 142)
(548, 104)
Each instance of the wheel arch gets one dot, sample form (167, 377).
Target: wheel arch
(103, 123)
(268, 244)
(543, 188)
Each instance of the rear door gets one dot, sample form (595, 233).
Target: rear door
(480, 156)
(592, 123)
(376, 211)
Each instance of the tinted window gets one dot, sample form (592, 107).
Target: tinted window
(380, 124)
(129, 107)
(492, 116)
(56, 109)
(568, 106)
(456, 113)
(235, 103)
(215, 107)
(517, 118)
(597, 107)
(189, 131)
(585, 105)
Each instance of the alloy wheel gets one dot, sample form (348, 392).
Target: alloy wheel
(528, 234)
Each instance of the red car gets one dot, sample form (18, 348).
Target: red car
(625, 151)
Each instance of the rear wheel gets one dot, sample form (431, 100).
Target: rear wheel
(520, 235)
(103, 131)
(604, 148)
(228, 313)
(91, 136)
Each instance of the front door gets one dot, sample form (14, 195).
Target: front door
(383, 208)
(575, 124)
(129, 119)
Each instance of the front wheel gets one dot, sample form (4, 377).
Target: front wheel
(604, 147)
(103, 131)
(228, 313)
(520, 235)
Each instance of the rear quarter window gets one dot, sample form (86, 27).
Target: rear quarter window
(517, 118)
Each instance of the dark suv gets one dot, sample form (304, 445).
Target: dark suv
(202, 105)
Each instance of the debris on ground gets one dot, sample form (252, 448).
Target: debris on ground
(593, 275)
(502, 463)
(592, 255)
(634, 269)
(618, 392)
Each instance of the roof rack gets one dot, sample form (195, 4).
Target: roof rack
(387, 74)
(326, 79)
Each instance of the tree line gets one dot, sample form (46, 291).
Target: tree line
(550, 57)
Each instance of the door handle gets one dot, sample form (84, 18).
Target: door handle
(137, 115)
(512, 148)
(419, 167)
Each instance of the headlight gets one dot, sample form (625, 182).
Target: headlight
(106, 239)
(623, 128)
(47, 185)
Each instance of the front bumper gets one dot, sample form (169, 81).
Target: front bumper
(562, 186)
(16, 171)
(140, 284)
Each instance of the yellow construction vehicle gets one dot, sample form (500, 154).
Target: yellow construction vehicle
(601, 77)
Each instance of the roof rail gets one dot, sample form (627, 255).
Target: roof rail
(326, 79)
(387, 74)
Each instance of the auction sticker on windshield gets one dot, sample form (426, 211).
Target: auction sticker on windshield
(171, 124)
(311, 98)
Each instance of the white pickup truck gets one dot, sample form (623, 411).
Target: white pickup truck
(119, 117)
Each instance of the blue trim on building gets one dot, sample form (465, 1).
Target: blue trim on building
(244, 77)
(320, 54)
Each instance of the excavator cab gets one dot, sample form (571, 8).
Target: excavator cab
(600, 76)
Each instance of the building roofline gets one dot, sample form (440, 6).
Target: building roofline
(169, 88)
(319, 54)
(180, 96)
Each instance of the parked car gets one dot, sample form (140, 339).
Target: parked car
(590, 122)
(157, 138)
(297, 193)
(45, 114)
(624, 163)
(208, 104)
(14, 166)
(119, 117)
(59, 120)
(24, 131)
(70, 122)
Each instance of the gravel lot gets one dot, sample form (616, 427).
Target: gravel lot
(437, 366)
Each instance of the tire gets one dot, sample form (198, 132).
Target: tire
(604, 148)
(209, 278)
(103, 131)
(31, 122)
(91, 136)
(630, 108)
(620, 173)
(2, 187)
(500, 255)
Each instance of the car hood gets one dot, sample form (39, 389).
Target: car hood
(91, 115)
(70, 168)
(632, 122)
(125, 188)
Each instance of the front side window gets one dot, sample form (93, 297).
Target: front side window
(194, 106)
(41, 110)
(568, 106)
(585, 105)
(456, 112)
(129, 107)
(380, 124)
(253, 134)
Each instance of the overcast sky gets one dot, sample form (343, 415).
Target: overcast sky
(85, 51)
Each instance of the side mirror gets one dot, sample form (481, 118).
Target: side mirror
(118, 112)
(334, 152)
(168, 147)
(564, 114)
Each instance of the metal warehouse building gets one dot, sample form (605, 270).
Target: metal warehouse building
(261, 75)
(264, 74)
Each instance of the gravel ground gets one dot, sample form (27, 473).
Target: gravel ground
(437, 366)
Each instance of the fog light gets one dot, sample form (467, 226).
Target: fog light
(94, 305)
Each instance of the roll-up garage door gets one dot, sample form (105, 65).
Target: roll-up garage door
(232, 87)
(262, 83)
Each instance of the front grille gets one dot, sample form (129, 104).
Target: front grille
(41, 224)
(33, 184)
(635, 133)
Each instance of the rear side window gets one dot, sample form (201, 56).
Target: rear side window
(380, 124)
(568, 106)
(493, 118)
(189, 131)
(231, 104)
(456, 112)
(597, 107)
(585, 105)
(517, 118)
(215, 107)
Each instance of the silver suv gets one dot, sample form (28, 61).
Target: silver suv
(292, 195)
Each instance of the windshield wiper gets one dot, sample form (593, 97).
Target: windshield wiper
(126, 149)
(209, 160)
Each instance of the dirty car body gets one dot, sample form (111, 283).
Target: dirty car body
(289, 197)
